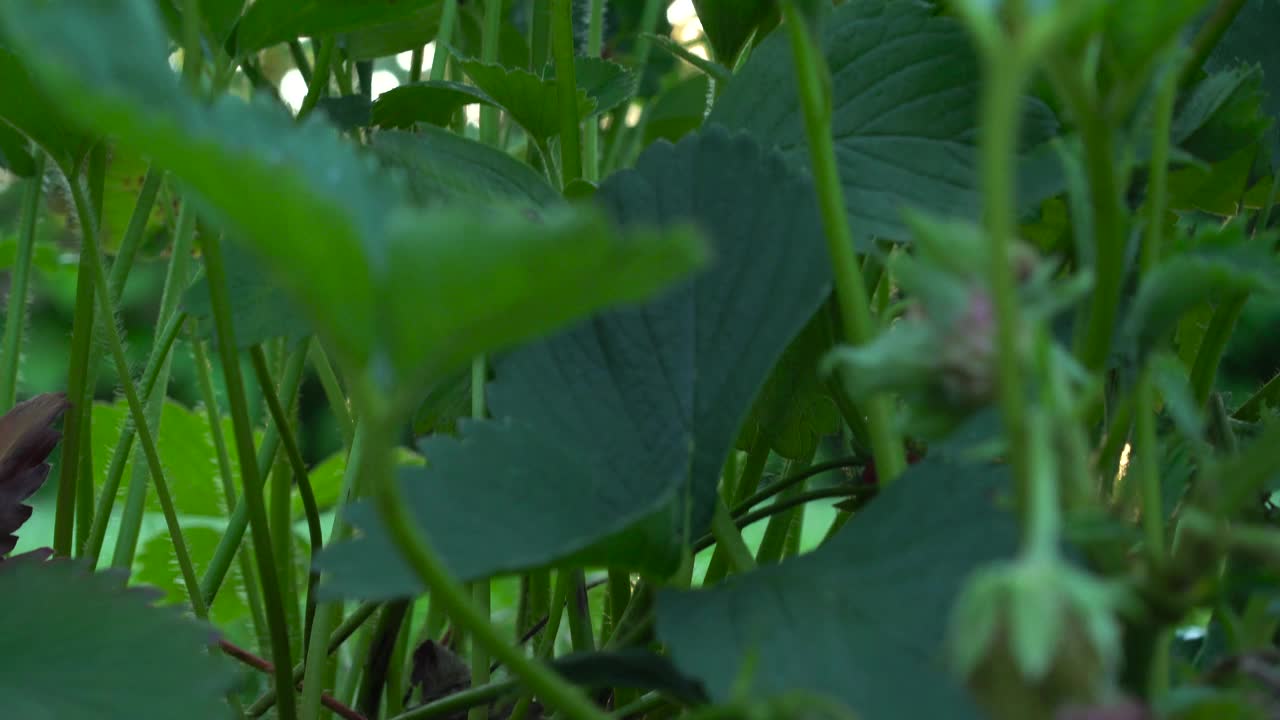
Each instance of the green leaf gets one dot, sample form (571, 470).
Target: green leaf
(326, 477)
(794, 410)
(905, 104)
(14, 154)
(399, 35)
(446, 169)
(268, 22)
(446, 402)
(607, 83)
(1208, 273)
(320, 187)
(26, 108)
(546, 271)
(186, 454)
(875, 602)
(430, 101)
(606, 429)
(260, 309)
(1249, 40)
(635, 668)
(73, 642)
(730, 23)
(1223, 115)
(156, 565)
(126, 173)
(678, 111)
(347, 112)
(530, 100)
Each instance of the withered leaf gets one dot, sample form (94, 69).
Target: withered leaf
(26, 439)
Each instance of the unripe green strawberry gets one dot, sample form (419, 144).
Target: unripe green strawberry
(1036, 635)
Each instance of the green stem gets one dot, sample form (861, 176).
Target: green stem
(481, 589)
(580, 613)
(134, 233)
(399, 660)
(1205, 370)
(175, 284)
(300, 59)
(733, 490)
(415, 65)
(426, 564)
(566, 90)
(618, 597)
(775, 534)
(248, 573)
(338, 404)
(89, 246)
(356, 477)
(489, 54)
(349, 626)
(1145, 412)
(595, 46)
(796, 478)
(472, 699)
(730, 539)
(444, 38)
(783, 505)
(252, 488)
(319, 83)
(539, 37)
(292, 375)
(192, 52)
(229, 545)
(115, 472)
(1000, 115)
(814, 81)
(77, 419)
(16, 311)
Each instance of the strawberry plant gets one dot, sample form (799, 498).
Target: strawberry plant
(755, 359)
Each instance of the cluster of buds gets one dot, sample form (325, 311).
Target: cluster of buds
(940, 355)
(1035, 636)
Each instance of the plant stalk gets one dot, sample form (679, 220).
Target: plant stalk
(566, 90)
(16, 310)
(252, 487)
(814, 80)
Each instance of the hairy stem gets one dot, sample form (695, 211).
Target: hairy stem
(16, 311)
(252, 487)
(566, 90)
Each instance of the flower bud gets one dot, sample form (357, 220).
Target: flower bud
(1036, 635)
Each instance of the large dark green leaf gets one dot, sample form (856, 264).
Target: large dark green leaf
(268, 22)
(25, 107)
(863, 617)
(76, 645)
(609, 429)
(459, 282)
(444, 168)
(320, 190)
(729, 23)
(905, 101)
